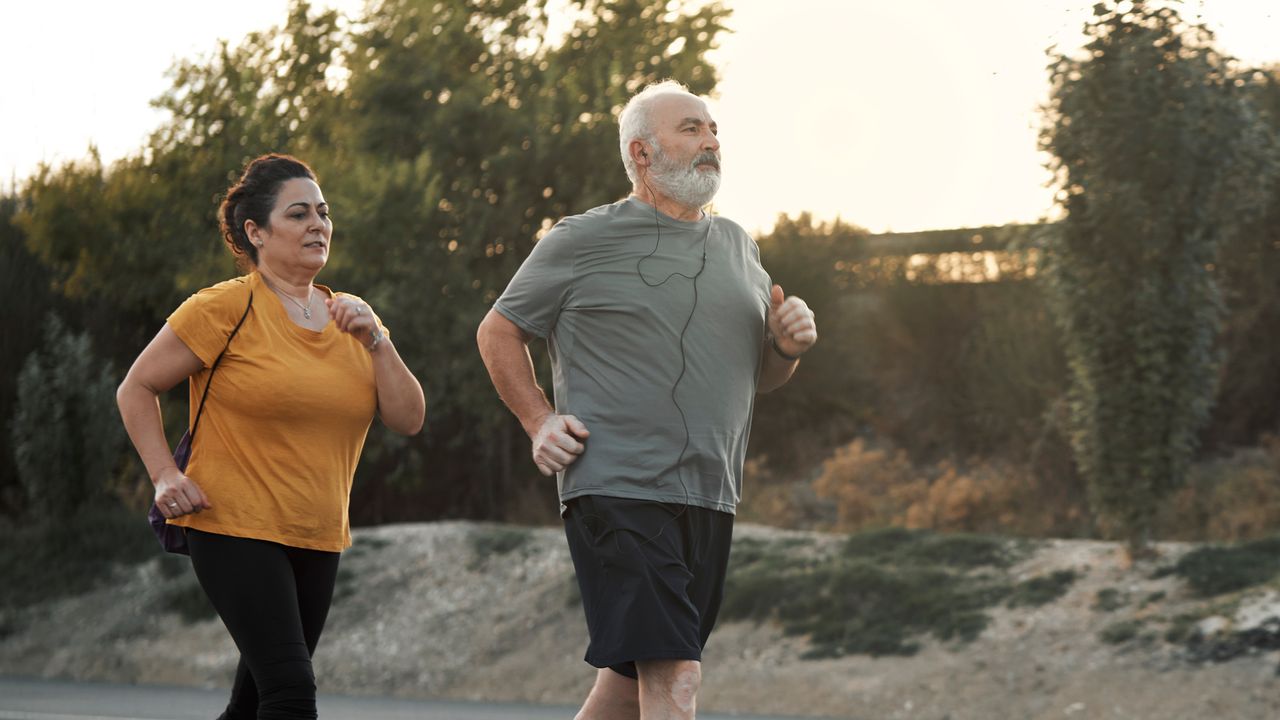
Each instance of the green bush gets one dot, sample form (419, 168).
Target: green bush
(1109, 600)
(1120, 632)
(1217, 570)
(70, 553)
(1042, 590)
(493, 541)
(876, 596)
(1181, 629)
(67, 438)
(29, 296)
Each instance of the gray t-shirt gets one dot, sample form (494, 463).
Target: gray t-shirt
(612, 309)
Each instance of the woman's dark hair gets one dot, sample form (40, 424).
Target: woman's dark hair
(252, 198)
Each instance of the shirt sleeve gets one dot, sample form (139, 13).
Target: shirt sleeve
(755, 257)
(534, 297)
(205, 320)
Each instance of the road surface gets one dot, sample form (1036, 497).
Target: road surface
(31, 699)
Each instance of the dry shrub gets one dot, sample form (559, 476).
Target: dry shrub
(990, 496)
(871, 487)
(771, 500)
(864, 485)
(878, 487)
(1232, 498)
(981, 500)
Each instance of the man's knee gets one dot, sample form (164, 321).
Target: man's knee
(614, 696)
(675, 681)
(686, 681)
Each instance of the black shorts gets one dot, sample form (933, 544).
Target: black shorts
(651, 575)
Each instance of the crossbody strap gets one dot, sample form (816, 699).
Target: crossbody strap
(216, 362)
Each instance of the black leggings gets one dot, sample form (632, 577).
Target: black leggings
(273, 600)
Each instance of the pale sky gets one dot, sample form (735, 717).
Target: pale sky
(893, 116)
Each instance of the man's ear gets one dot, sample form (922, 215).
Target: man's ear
(640, 152)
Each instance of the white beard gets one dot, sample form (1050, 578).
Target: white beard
(686, 184)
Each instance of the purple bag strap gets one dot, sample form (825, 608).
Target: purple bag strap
(216, 362)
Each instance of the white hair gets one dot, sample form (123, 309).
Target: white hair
(634, 121)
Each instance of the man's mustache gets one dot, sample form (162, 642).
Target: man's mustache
(707, 158)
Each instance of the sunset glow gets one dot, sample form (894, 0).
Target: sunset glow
(890, 116)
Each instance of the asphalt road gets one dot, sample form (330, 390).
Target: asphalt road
(31, 699)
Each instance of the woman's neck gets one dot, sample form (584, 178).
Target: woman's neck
(296, 284)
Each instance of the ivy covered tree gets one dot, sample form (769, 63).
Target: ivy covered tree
(1248, 402)
(1160, 159)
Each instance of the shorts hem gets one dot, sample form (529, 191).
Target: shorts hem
(682, 654)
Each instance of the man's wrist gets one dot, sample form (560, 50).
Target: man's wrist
(773, 343)
(535, 424)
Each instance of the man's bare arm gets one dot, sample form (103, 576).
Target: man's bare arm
(557, 439)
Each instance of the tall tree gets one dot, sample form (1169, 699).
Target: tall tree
(26, 280)
(447, 134)
(131, 240)
(1154, 149)
(67, 440)
(472, 128)
(1248, 403)
(829, 397)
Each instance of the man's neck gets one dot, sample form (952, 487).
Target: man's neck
(666, 204)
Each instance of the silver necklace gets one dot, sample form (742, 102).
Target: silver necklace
(306, 309)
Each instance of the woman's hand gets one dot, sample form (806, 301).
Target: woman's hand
(355, 318)
(400, 401)
(178, 495)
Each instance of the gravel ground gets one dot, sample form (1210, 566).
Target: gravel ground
(487, 612)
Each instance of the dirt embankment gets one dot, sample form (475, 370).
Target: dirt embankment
(477, 611)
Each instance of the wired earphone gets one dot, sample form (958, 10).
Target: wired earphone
(684, 362)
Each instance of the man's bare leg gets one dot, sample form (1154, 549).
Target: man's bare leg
(669, 689)
(613, 697)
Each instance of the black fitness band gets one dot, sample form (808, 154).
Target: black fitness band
(789, 358)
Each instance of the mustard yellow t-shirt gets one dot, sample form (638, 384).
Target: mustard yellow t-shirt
(284, 422)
